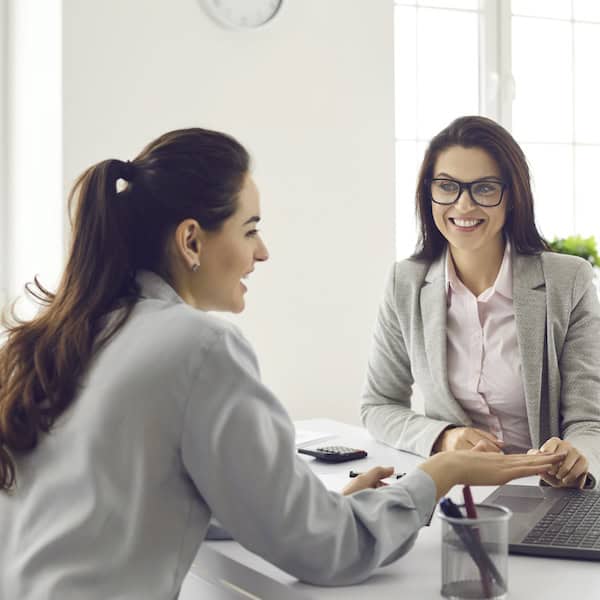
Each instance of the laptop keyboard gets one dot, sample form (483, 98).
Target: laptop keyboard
(572, 522)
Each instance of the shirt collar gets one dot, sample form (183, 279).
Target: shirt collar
(503, 284)
(155, 287)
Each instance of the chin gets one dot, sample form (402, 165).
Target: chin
(463, 244)
(238, 307)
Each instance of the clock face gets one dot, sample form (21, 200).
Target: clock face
(242, 14)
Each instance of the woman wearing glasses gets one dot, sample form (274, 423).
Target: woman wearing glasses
(499, 336)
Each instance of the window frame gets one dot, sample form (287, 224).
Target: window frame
(496, 81)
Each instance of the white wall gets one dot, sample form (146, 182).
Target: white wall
(34, 181)
(311, 96)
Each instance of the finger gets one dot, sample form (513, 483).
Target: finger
(551, 445)
(535, 459)
(476, 434)
(533, 451)
(573, 477)
(550, 480)
(463, 443)
(484, 445)
(572, 457)
(376, 473)
(370, 479)
(527, 471)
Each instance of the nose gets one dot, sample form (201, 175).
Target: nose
(261, 253)
(464, 201)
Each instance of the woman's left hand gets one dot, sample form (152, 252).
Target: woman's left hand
(572, 471)
(370, 479)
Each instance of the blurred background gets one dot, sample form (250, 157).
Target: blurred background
(336, 101)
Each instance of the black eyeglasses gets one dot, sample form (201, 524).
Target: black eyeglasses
(483, 192)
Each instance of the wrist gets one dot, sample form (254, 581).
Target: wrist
(444, 469)
(438, 445)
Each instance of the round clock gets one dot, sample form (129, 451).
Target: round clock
(242, 14)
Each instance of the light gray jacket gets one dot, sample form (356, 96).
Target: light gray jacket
(558, 329)
(172, 424)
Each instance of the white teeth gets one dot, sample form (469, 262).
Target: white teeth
(466, 222)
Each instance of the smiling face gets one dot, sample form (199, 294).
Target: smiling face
(227, 256)
(467, 226)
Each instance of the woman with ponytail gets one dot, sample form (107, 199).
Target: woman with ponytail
(129, 415)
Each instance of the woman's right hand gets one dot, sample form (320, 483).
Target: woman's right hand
(467, 438)
(485, 468)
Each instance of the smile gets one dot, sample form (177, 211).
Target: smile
(244, 280)
(466, 224)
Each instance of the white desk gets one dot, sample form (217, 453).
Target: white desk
(414, 576)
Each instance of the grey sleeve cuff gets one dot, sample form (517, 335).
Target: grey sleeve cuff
(421, 488)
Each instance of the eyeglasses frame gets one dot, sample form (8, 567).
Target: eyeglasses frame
(466, 185)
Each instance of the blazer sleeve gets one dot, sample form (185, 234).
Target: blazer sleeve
(386, 399)
(238, 446)
(579, 365)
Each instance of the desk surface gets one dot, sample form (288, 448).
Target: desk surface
(417, 574)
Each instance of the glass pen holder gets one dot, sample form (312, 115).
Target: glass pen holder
(475, 554)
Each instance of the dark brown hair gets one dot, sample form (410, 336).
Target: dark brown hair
(189, 173)
(480, 132)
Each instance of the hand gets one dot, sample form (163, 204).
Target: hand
(467, 438)
(485, 468)
(571, 472)
(370, 479)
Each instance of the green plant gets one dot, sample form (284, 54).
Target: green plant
(578, 246)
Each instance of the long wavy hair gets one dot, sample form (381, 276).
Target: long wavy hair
(480, 132)
(116, 230)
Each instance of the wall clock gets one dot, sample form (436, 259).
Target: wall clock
(242, 14)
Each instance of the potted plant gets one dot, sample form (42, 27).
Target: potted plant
(580, 246)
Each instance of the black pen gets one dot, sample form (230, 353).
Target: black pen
(472, 544)
(357, 473)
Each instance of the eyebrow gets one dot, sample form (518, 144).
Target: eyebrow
(478, 179)
(254, 219)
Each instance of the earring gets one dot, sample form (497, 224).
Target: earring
(195, 267)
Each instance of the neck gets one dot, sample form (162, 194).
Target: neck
(478, 270)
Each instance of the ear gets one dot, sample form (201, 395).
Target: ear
(188, 241)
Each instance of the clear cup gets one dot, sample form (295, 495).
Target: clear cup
(475, 554)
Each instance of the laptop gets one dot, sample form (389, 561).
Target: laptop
(552, 522)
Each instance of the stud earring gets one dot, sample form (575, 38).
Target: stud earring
(195, 267)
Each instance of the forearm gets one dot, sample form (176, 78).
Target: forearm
(401, 427)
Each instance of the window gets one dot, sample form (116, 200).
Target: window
(436, 79)
(555, 110)
(458, 57)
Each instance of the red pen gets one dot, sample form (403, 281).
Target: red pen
(486, 581)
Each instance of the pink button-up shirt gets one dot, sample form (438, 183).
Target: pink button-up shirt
(484, 361)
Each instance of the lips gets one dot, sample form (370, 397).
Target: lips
(463, 224)
(245, 278)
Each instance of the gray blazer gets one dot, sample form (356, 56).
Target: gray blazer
(558, 329)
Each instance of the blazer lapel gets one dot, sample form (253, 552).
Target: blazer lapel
(434, 310)
(529, 301)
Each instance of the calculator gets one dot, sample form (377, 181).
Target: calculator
(334, 454)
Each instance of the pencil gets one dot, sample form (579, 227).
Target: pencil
(357, 473)
(486, 582)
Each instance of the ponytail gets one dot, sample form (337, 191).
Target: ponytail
(43, 359)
